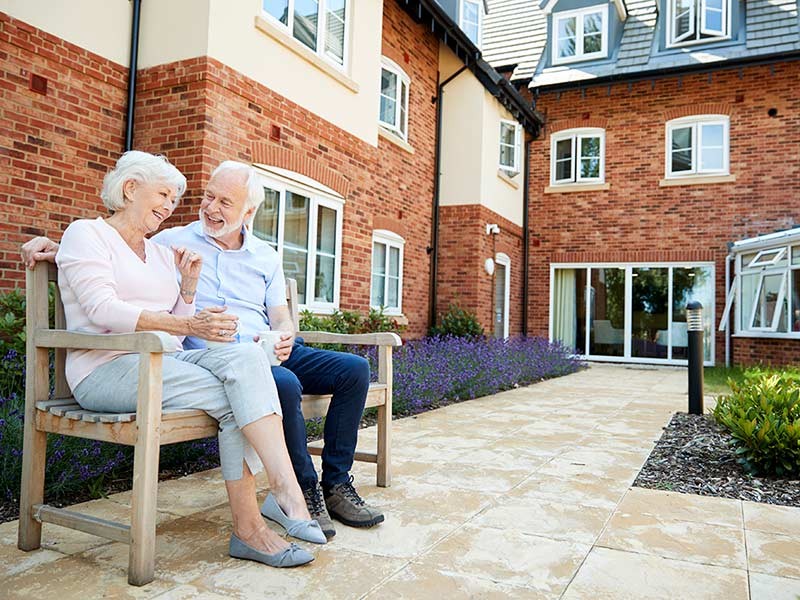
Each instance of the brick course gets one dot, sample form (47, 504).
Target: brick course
(638, 220)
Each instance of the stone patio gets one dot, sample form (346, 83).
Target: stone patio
(524, 494)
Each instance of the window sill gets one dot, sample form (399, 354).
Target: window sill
(577, 187)
(287, 41)
(795, 335)
(391, 137)
(697, 180)
(508, 179)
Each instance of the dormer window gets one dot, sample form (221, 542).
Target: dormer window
(470, 18)
(697, 21)
(580, 34)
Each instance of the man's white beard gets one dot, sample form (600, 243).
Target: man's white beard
(229, 228)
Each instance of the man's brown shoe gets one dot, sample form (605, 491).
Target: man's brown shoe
(345, 505)
(317, 510)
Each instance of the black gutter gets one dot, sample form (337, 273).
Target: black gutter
(526, 238)
(437, 150)
(747, 61)
(429, 12)
(137, 9)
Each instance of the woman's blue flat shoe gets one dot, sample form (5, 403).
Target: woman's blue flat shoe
(308, 531)
(293, 556)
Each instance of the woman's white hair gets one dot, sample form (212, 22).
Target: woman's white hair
(255, 191)
(141, 167)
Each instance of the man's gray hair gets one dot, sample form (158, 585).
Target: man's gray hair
(255, 191)
(141, 167)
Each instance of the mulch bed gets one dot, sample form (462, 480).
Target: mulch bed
(695, 456)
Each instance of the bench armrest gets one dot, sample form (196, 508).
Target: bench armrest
(141, 341)
(363, 339)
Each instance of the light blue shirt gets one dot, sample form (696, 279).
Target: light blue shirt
(247, 280)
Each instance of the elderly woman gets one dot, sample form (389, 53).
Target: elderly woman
(115, 280)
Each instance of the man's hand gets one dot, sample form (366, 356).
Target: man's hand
(37, 250)
(280, 319)
(284, 348)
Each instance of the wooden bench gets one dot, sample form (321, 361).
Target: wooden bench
(146, 429)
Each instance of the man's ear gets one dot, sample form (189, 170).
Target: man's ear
(248, 216)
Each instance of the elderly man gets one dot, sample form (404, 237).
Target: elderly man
(245, 274)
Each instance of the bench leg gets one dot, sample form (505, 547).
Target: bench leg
(141, 563)
(384, 478)
(34, 450)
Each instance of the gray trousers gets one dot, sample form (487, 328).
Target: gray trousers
(233, 384)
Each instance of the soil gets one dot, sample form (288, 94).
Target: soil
(695, 456)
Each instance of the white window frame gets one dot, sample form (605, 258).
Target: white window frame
(461, 20)
(402, 77)
(695, 123)
(322, 31)
(576, 135)
(503, 259)
(579, 53)
(515, 168)
(390, 240)
(697, 11)
(317, 199)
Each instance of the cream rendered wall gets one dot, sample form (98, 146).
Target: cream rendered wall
(496, 193)
(172, 30)
(235, 41)
(462, 134)
(100, 26)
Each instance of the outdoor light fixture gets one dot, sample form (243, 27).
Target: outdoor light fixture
(489, 266)
(492, 229)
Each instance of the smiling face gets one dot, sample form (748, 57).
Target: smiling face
(223, 209)
(149, 204)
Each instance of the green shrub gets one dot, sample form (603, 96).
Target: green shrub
(457, 322)
(762, 412)
(348, 321)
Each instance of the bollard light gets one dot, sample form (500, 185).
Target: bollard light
(694, 327)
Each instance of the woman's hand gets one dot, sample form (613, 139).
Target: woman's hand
(38, 249)
(214, 324)
(189, 263)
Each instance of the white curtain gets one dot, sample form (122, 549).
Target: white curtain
(565, 319)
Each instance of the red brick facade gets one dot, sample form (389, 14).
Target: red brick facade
(464, 247)
(199, 112)
(637, 220)
(56, 147)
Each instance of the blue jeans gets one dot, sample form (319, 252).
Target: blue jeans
(314, 371)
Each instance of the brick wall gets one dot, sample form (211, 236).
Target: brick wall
(464, 247)
(636, 219)
(199, 112)
(54, 147)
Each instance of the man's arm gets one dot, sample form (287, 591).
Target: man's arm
(280, 319)
(37, 250)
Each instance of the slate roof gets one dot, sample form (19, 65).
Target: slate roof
(515, 35)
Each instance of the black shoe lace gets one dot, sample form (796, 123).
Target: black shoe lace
(348, 491)
(314, 500)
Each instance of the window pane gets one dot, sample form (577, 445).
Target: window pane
(507, 156)
(306, 17)
(681, 149)
(278, 9)
(607, 312)
(265, 223)
(392, 300)
(388, 97)
(326, 230)
(507, 134)
(713, 15)
(566, 37)
(688, 284)
(649, 311)
(711, 159)
(324, 277)
(294, 267)
(590, 168)
(592, 43)
(795, 292)
(682, 21)
(388, 109)
(590, 147)
(563, 160)
(334, 28)
(470, 20)
(378, 282)
(682, 138)
(767, 300)
(379, 258)
(394, 261)
(713, 135)
(403, 107)
(569, 308)
(592, 23)
(749, 282)
(796, 255)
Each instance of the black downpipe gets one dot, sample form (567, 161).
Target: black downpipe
(137, 9)
(526, 238)
(436, 176)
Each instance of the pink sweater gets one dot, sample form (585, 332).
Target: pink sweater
(105, 286)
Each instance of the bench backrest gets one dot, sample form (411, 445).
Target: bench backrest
(36, 315)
